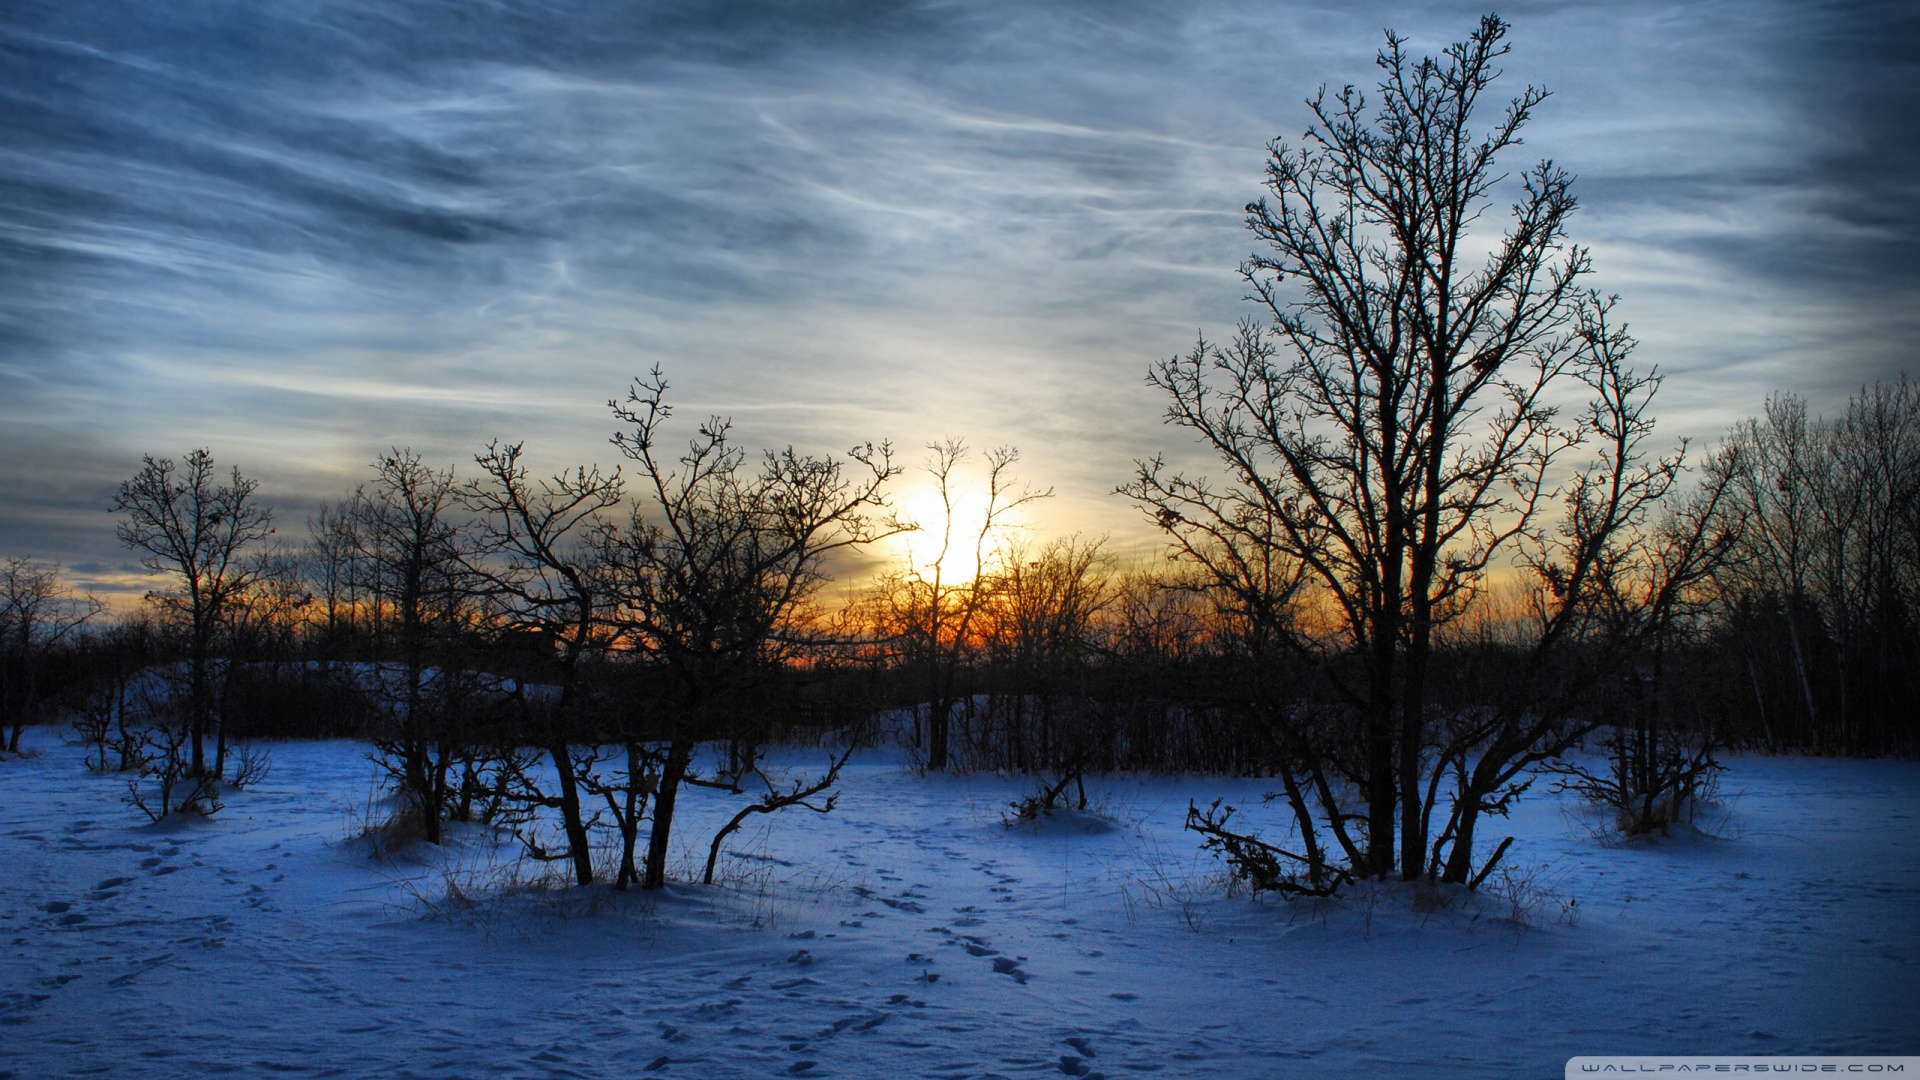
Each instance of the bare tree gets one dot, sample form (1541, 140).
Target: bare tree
(332, 550)
(1776, 470)
(1392, 437)
(189, 525)
(541, 573)
(715, 568)
(799, 793)
(38, 613)
(934, 615)
(108, 716)
(1041, 634)
(1825, 584)
(413, 552)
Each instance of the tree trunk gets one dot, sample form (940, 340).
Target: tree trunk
(437, 786)
(1460, 859)
(1382, 783)
(1800, 670)
(197, 700)
(1380, 790)
(630, 820)
(1413, 833)
(571, 821)
(939, 717)
(220, 738)
(1760, 702)
(670, 776)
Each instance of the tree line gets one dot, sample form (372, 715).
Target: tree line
(1441, 550)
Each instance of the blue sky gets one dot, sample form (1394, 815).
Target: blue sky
(299, 233)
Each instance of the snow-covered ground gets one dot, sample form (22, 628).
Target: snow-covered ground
(910, 934)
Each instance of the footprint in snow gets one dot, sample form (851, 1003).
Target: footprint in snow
(55, 907)
(837, 1027)
(1004, 965)
(1073, 1065)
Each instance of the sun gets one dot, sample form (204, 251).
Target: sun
(956, 532)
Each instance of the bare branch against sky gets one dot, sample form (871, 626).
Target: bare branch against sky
(300, 233)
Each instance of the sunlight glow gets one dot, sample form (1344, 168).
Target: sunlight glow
(920, 552)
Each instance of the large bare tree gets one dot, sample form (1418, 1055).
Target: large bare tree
(1391, 437)
(188, 524)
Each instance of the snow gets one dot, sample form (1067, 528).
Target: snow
(911, 933)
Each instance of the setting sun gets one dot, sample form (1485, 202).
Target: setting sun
(948, 539)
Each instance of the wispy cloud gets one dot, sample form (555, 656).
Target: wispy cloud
(300, 233)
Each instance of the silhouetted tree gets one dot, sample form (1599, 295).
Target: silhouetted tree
(542, 575)
(333, 548)
(1393, 436)
(1823, 597)
(714, 569)
(413, 553)
(932, 612)
(189, 525)
(38, 614)
(1041, 633)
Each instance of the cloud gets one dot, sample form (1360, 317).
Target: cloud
(301, 233)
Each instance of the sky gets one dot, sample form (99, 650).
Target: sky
(301, 232)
